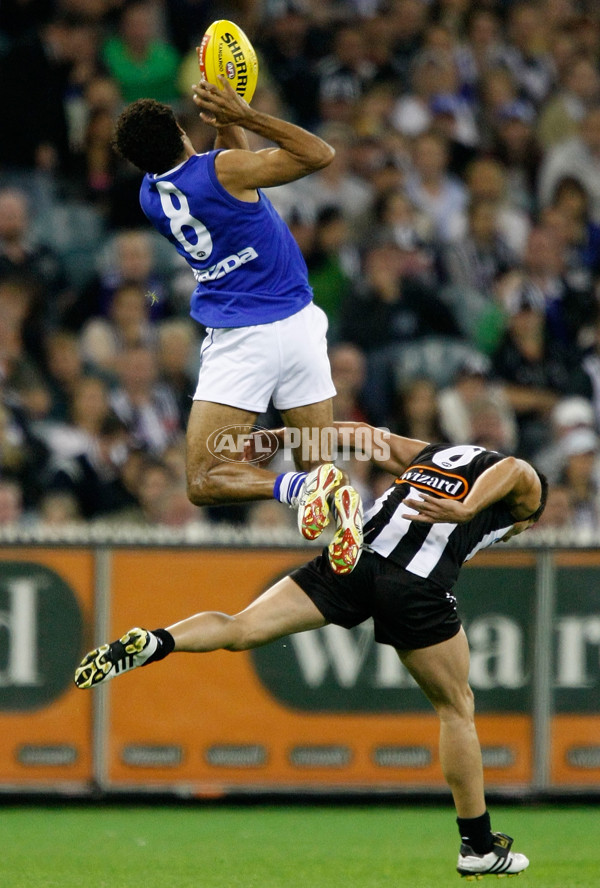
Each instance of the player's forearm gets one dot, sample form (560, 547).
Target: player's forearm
(309, 151)
(495, 484)
(392, 453)
(231, 137)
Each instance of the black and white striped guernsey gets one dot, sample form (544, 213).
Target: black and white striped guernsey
(436, 551)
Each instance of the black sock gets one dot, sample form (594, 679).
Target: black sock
(476, 832)
(166, 644)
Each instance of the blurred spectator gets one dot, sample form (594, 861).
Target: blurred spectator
(285, 46)
(399, 221)
(406, 19)
(96, 164)
(417, 413)
(388, 308)
(579, 158)
(515, 146)
(23, 455)
(561, 115)
(57, 509)
(581, 234)
(432, 189)
(482, 255)
(497, 89)
(580, 476)
(482, 47)
(591, 366)
(12, 454)
(569, 304)
(332, 262)
(145, 405)
(127, 325)
(379, 40)
(128, 258)
(174, 458)
(89, 405)
(11, 503)
(536, 371)
(475, 408)
(19, 345)
(144, 65)
(569, 414)
(87, 409)
(93, 478)
(486, 178)
(336, 185)
(489, 429)
(155, 482)
(525, 54)
(343, 75)
(348, 371)
(452, 118)
(557, 514)
(64, 370)
(34, 68)
(82, 57)
(23, 256)
(178, 357)
(433, 73)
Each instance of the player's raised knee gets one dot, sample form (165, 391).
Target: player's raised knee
(202, 490)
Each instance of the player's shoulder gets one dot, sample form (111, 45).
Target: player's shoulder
(455, 456)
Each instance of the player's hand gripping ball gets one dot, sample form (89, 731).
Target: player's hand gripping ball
(226, 50)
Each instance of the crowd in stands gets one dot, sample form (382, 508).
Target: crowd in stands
(454, 241)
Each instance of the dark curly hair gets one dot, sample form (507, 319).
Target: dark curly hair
(148, 135)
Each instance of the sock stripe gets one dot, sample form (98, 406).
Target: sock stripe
(288, 486)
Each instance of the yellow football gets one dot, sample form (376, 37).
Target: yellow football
(226, 50)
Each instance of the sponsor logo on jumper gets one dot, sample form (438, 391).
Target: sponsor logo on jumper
(226, 266)
(443, 483)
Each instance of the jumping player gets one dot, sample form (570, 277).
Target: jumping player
(265, 337)
(446, 504)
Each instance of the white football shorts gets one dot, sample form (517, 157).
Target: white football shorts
(287, 360)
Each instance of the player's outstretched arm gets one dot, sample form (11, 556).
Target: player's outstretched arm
(512, 480)
(298, 153)
(390, 452)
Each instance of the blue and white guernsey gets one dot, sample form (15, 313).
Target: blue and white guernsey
(436, 551)
(248, 266)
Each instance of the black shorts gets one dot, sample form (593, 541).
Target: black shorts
(409, 612)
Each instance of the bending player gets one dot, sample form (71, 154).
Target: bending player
(265, 337)
(445, 505)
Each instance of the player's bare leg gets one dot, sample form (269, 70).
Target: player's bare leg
(313, 449)
(281, 610)
(442, 673)
(210, 479)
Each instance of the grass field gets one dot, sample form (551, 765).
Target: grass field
(281, 847)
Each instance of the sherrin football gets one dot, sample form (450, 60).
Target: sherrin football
(226, 50)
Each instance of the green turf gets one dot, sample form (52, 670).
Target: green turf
(281, 847)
